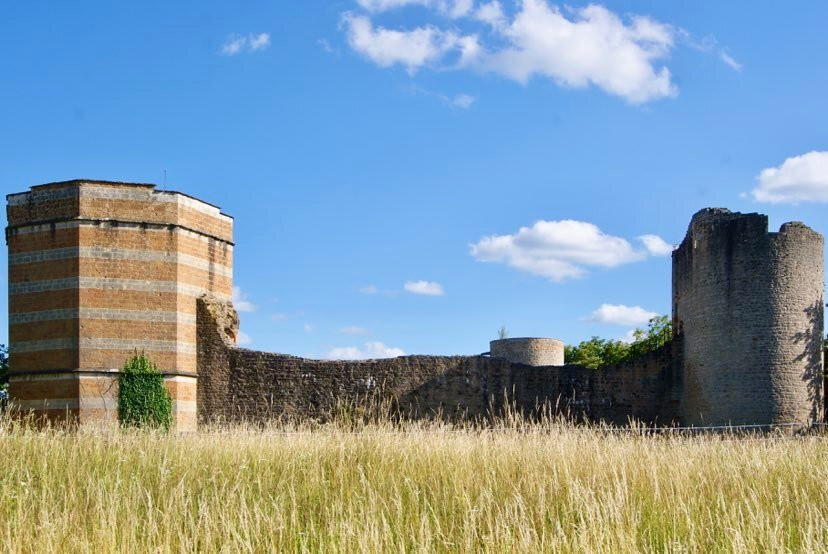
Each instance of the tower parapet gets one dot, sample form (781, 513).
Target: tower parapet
(749, 306)
(98, 270)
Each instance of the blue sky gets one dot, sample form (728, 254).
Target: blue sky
(381, 157)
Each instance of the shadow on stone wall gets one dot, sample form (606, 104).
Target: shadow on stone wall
(811, 342)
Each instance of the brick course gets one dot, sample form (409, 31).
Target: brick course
(98, 270)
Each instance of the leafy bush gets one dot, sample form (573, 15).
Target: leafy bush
(143, 400)
(597, 352)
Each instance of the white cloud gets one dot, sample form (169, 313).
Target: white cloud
(656, 245)
(557, 250)
(371, 350)
(411, 49)
(459, 8)
(595, 47)
(708, 45)
(258, 42)
(451, 8)
(463, 101)
(308, 328)
(799, 179)
(236, 44)
(373, 289)
(278, 317)
(241, 302)
(492, 14)
(326, 46)
(628, 337)
(583, 47)
(428, 288)
(243, 339)
(354, 330)
(729, 61)
(233, 46)
(618, 314)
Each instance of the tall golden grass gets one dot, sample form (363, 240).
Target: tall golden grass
(421, 487)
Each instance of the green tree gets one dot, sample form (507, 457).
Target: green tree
(659, 332)
(143, 400)
(597, 352)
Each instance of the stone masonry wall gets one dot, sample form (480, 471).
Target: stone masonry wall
(239, 384)
(529, 351)
(749, 306)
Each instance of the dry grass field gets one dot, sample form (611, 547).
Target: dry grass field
(428, 487)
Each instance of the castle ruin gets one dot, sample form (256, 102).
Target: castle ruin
(99, 269)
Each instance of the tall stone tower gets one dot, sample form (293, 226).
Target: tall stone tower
(98, 270)
(749, 307)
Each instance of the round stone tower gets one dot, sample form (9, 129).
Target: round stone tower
(529, 351)
(748, 308)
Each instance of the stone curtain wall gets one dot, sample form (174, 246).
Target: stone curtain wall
(239, 384)
(749, 305)
(98, 270)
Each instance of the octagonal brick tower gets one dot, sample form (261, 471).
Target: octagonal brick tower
(100, 269)
(749, 307)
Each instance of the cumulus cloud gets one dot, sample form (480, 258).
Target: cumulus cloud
(412, 49)
(492, 14)
(353, 330)
(799, 179)
(619, 314)
(557, 250)
(241, 302)
(236, 44)
(428, 288)
(371, 350)
(593, 47)
(576, 48)
(656, 245)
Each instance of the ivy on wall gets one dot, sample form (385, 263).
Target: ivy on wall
(143, 400)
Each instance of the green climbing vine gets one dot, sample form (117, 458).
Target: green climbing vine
(143, 400)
